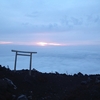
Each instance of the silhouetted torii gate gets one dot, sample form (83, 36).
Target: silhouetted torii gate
(23, 53)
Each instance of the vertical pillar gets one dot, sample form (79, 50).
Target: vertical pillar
(15, 61)
(30, 63)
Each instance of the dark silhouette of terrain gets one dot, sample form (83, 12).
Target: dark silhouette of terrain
(48, 86)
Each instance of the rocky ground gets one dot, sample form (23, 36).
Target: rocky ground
(47, 86)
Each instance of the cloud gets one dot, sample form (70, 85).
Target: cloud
(33, 14)
(55, 20)
(94, 19)
(45, 13)
(5, 42)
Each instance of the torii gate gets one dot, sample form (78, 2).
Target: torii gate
(23, 53)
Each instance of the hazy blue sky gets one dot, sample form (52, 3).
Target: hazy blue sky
(54, 21)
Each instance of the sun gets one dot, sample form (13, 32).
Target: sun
(42, 43)
(48, 44)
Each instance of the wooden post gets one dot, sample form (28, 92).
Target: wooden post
(23, 53)
(15, 62)
(30, 63)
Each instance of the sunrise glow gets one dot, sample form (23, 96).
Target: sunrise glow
(42, 43)
(48, 44)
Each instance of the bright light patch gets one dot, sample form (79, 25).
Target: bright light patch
(42, 43)
(48, 44)
(5, 42)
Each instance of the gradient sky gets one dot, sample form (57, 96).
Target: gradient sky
(73, 22)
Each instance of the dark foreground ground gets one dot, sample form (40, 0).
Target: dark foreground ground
(47, 86)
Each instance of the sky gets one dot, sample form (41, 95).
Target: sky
(50, 22)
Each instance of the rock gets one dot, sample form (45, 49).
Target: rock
(22, 97)
(89, 80)
(80, 74)
(30, 97)
(9, 82)
(3, 85)
(97, 80)
(6, 89)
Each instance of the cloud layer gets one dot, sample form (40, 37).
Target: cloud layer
(54, 20)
